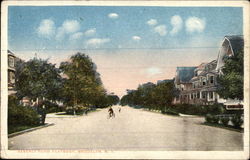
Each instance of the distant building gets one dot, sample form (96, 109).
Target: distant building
(200, 86)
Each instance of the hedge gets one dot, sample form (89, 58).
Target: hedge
(21, 115)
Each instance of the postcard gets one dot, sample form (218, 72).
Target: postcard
(125, 80)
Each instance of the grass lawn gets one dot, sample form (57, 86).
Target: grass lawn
(13, 129)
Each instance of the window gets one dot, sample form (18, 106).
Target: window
(211, 95)
(211, 79)
(204, 83)
(198, 94)
(11, 61)
(11, 77)
(203, 95)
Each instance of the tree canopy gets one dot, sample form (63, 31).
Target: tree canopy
(38, 78)
(232, 79)
(82, 83)
(151, 95)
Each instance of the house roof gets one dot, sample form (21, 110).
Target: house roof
(10, 53)
(236, 41)
(184, 74)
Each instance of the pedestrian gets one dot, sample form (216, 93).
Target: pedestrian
(120, 109)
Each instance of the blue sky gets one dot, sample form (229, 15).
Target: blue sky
(143, 40)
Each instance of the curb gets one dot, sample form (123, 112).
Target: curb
(29, 130)
(190, 115)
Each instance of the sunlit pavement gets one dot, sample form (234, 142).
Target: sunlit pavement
(131, 129)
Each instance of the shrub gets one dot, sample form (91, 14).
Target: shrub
(237, 121)
(215, 109)
(215, 119)
(209, 118)
(21, 115)
(224, 120)
(69, 110)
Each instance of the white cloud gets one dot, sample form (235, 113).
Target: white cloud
(90, 32)
(136, 38)
(153, 71)
(195, 24)
(68, 26)
(76, 36)
(152, 22)
(96, 42)
(176, 22)
(161, 30)
(71, 26)
(46, 28)
(60, 33)
(113, 15)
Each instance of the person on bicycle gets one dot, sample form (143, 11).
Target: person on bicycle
(111, 112)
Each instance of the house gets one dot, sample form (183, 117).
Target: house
(11, 72)
(202, 86)
(230, 46)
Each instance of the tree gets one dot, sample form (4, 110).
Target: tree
(232, 78)
(82, 85)
(164, 93)
(151, 95)
(38, 78)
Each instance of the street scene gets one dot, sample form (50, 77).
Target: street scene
(125, 78)
(131, 129)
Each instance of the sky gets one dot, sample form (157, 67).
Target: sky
(129, 45)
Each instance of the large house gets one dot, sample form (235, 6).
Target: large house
(201, 87)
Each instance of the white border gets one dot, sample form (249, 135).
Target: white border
(5, 153)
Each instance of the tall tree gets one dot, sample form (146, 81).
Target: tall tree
(232, 78)
(82, 83)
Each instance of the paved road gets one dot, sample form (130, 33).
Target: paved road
(132, 129)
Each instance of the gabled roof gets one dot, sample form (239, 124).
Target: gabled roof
(201, 66)
(10, 53)
(236, 42)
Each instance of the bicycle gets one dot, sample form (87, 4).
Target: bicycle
(111, 115)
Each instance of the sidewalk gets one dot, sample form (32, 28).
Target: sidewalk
(29, 130)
